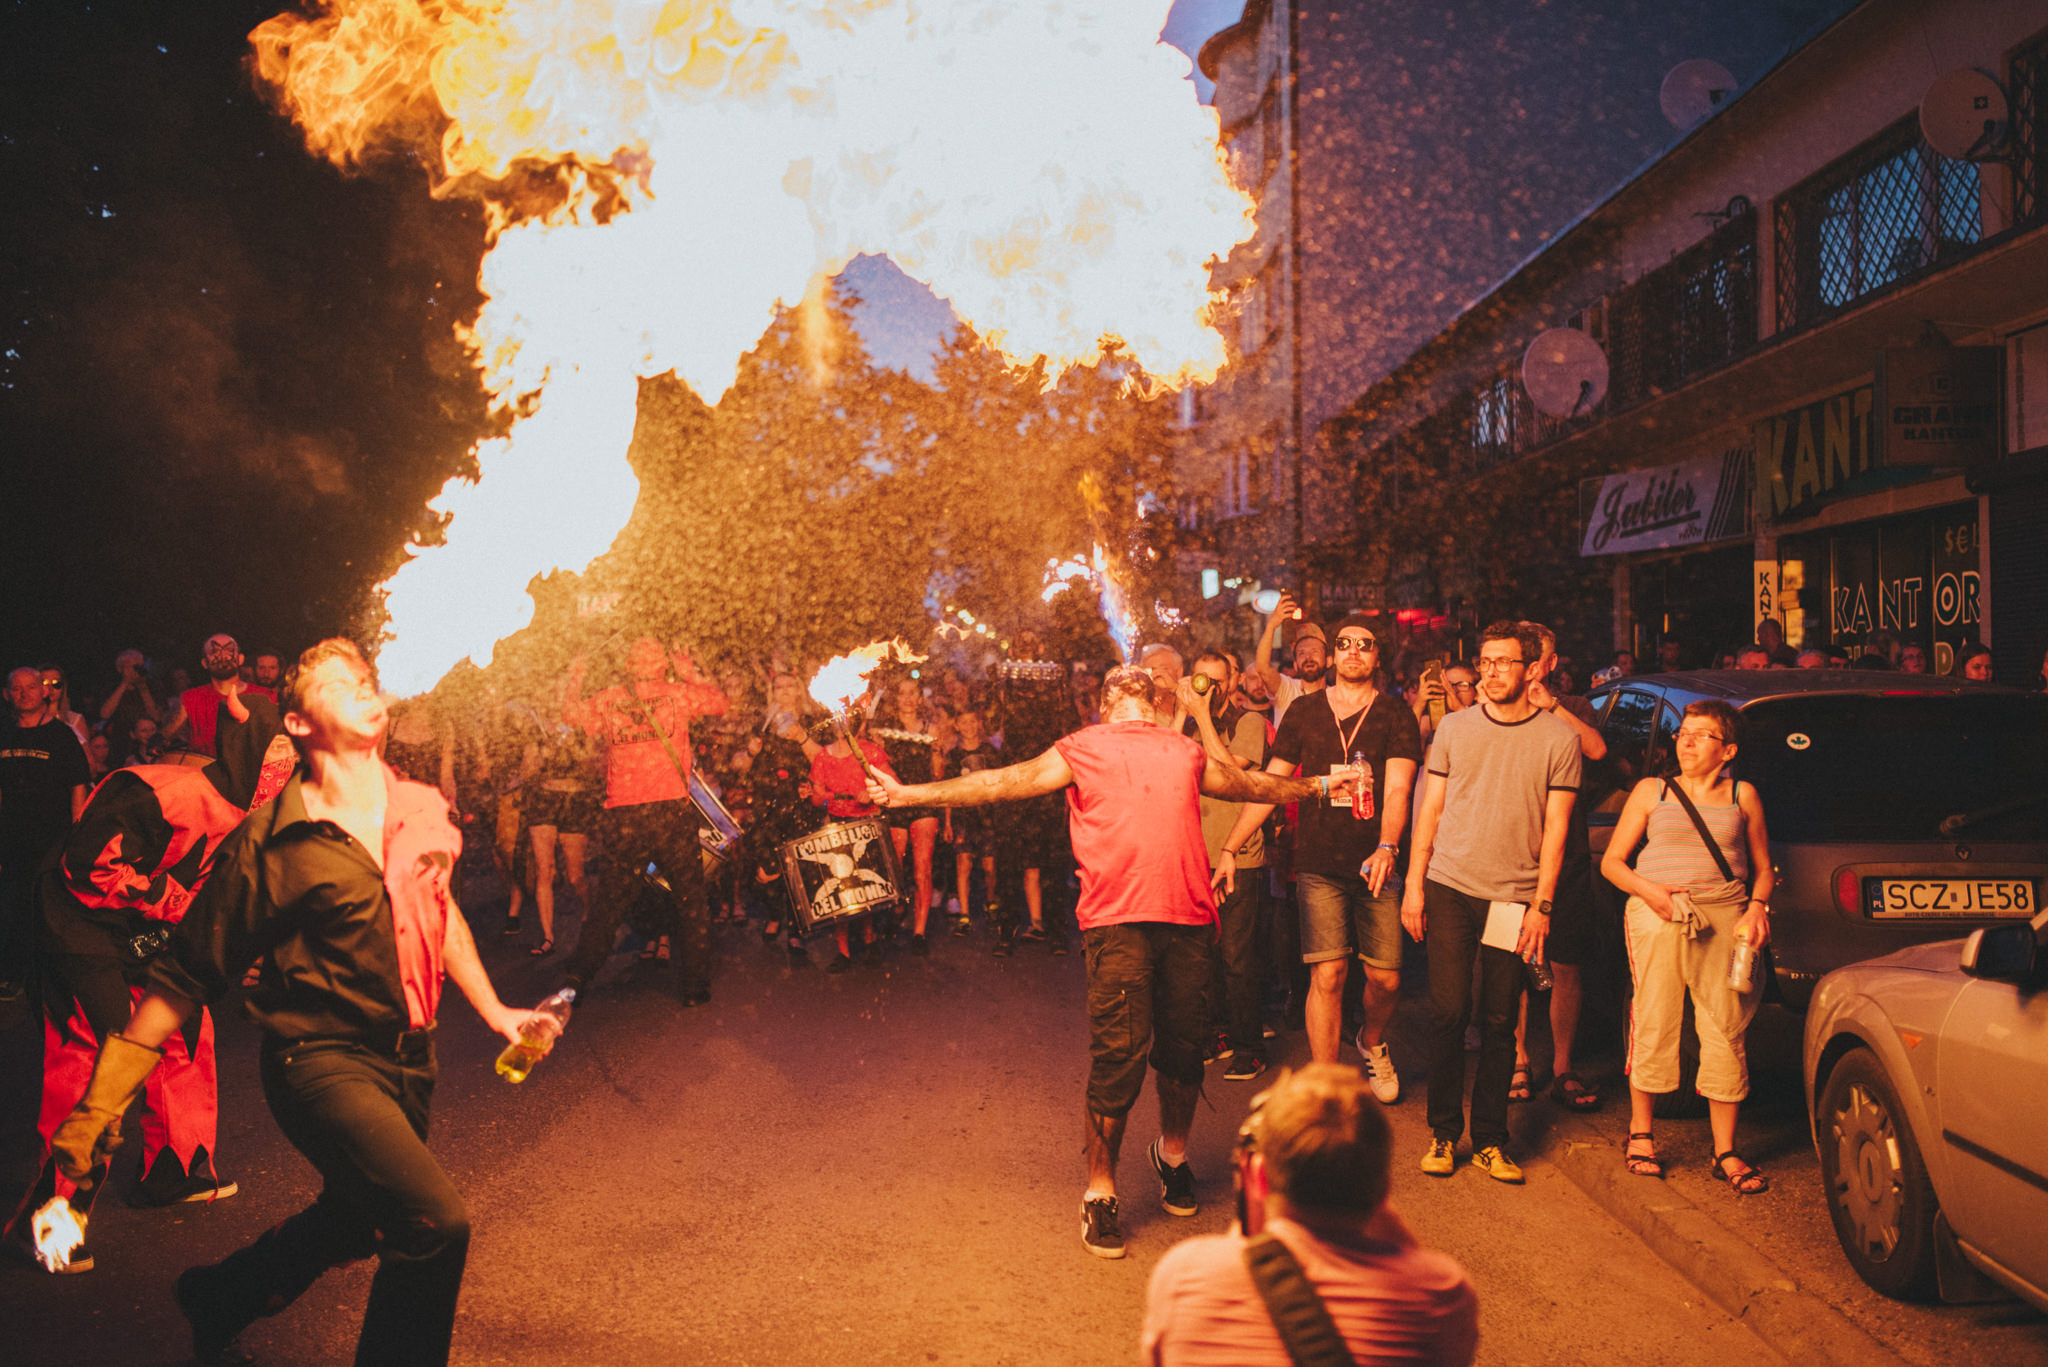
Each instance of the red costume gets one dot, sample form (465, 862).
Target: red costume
(202, 708)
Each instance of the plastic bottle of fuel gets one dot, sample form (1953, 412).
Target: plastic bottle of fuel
(1742, 965)
(537, 1036)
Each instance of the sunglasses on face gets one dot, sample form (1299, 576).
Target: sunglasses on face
(1356, 643)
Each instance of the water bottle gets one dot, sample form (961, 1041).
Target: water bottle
(1742, 965)
(537, 1036)
(1539, 974)
(1361, 796)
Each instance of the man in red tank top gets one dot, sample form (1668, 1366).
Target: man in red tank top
(198, 710)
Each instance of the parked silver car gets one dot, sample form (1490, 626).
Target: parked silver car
(1903, 808)
(1927, 1074)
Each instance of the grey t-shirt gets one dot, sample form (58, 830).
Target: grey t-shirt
(1498, 776)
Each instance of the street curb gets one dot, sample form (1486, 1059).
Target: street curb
(1797, 1324)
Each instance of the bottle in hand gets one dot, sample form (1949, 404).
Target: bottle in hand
(537, 1036)
(1361, 796)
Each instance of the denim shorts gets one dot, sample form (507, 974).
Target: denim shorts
(1340, 916)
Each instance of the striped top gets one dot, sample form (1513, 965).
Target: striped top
(1677, 858)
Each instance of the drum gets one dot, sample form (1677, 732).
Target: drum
(840, 873)
(719, 834)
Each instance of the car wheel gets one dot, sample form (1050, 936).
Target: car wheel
(1877, 1188)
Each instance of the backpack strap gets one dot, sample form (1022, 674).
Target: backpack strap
(1298, 1311)
(1700, 824)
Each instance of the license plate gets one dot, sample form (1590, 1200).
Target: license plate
(1961, 897)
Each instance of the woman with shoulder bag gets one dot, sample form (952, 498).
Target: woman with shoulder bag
(1700, 891)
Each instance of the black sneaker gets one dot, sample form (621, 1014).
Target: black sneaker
(168, 1184)
(1099, 1232)
(919, 947)
(799, 957)
(512, 926)
(1219, 1048)
(840, 963)
(1244, 1068)
(1176, 1185)
(697, 996)
(1056, 940)
(1031, 934)
(1006, 940)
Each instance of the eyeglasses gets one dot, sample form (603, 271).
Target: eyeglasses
(1356, 643)
(1465, 684)
(1691, 733)
(1489, 665)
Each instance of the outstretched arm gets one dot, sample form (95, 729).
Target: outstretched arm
(1046, 774)
(1233, 784)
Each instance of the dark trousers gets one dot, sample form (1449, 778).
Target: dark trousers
(1148, 994)
(1452, 937)
(659, 833)
(20, 919)
(360, 1118)
(1240, 963)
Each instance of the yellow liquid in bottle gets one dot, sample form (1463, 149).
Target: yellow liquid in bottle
(518, 1059)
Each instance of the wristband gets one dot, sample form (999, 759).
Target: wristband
(1323, 782)
(1384, 846)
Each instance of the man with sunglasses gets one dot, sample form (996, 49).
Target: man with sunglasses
(1344, 855)
(1489, 845)
(198, 710)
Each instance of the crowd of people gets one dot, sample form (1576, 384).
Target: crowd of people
(1225, 835)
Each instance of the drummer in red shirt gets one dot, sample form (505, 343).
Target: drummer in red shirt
(1147, 915)
(648, 816)
(839, 784)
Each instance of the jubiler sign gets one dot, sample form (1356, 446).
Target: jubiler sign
(1669, 505)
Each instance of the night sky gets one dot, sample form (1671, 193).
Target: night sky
(228, 376)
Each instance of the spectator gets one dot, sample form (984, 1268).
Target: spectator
(145, 744)
(1973, 661)
(196, 712)
(1624, 664)
(970, 831)
(1754, 656)
(1166, 667)
(99, 752)
(1496, 812)
(1311, 657)
(1030, 835)
(1087, 696)
(1770, 634)
(267, 669)
(131, 698)
(1312, 1173)
(1883, 644)
(1459, 691)
(1670, 655)
(562, 811)
(57, 703)
(1237, 994)
(1811, 658)
(1688, 904)
(43, 779)
(1344, 866)
(1912, 659)
(1570, 946)
(1837, 658)
(907, 738)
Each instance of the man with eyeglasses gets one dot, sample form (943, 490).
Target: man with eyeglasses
(197, 710)
(1344, 855)
(1489, 844)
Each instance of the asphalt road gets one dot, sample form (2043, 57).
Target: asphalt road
(882, 1167)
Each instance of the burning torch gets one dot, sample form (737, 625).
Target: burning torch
(85, 1141)
(844, 678)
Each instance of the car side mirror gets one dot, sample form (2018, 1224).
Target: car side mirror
(2000, 953)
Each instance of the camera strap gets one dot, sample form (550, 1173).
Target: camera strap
(1298, 1311)
(1700, 824)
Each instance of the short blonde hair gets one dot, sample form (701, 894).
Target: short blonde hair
(291, 691)
(1324, 1140)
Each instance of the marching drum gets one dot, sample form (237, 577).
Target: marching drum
(719, 834)
(840, 873)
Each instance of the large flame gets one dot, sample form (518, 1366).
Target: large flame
(1106, 576)
(843, 679)
(1042, 165)
(58, 1230)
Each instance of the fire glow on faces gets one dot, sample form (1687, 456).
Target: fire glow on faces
(1044, 167)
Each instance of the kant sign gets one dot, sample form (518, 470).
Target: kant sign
(1808, 452)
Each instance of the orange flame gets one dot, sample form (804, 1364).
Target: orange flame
(841, 680)
(1044, 167)
(58, 1231)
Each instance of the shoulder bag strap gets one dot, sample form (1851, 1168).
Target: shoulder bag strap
(1700, 824)
(1298, 1312)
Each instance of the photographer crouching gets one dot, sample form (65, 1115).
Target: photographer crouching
(1320, 1265)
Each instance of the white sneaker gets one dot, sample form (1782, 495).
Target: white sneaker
(1380, 1074)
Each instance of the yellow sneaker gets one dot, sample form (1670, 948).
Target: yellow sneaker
(1441, 1160)
(1496, 1164)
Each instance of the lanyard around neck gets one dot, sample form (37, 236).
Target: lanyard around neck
(1356, 726)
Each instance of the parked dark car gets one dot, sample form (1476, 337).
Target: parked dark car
(1903, 808)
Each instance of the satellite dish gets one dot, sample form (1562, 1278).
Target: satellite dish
(1964, 114)
(1565, 372)
(1692, 90)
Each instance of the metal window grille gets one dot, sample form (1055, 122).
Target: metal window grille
(1886, 212)
(1689, 316)
(2030, 131)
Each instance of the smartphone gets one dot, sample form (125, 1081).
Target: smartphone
(1433, 673)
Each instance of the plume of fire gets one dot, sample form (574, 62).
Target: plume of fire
(1042, 166)
(843, 679)
(58, 1230)
(1106, 578)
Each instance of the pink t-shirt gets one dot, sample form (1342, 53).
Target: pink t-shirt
(421, 846)
(1392, 1301)
(1135, 817)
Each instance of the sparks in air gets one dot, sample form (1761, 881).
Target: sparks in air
(1043, 167)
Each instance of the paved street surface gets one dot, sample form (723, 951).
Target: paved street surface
(877, 1168)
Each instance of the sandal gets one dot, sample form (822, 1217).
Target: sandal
(1748, 1182)
(544, 948)
(1570, 1091)
(1643, 1164)
(1518, 1085)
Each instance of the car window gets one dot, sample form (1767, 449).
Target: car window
(1892, 767)
(1628, 730)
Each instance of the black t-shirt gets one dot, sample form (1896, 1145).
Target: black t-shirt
(1332, 842)
(39, 766)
